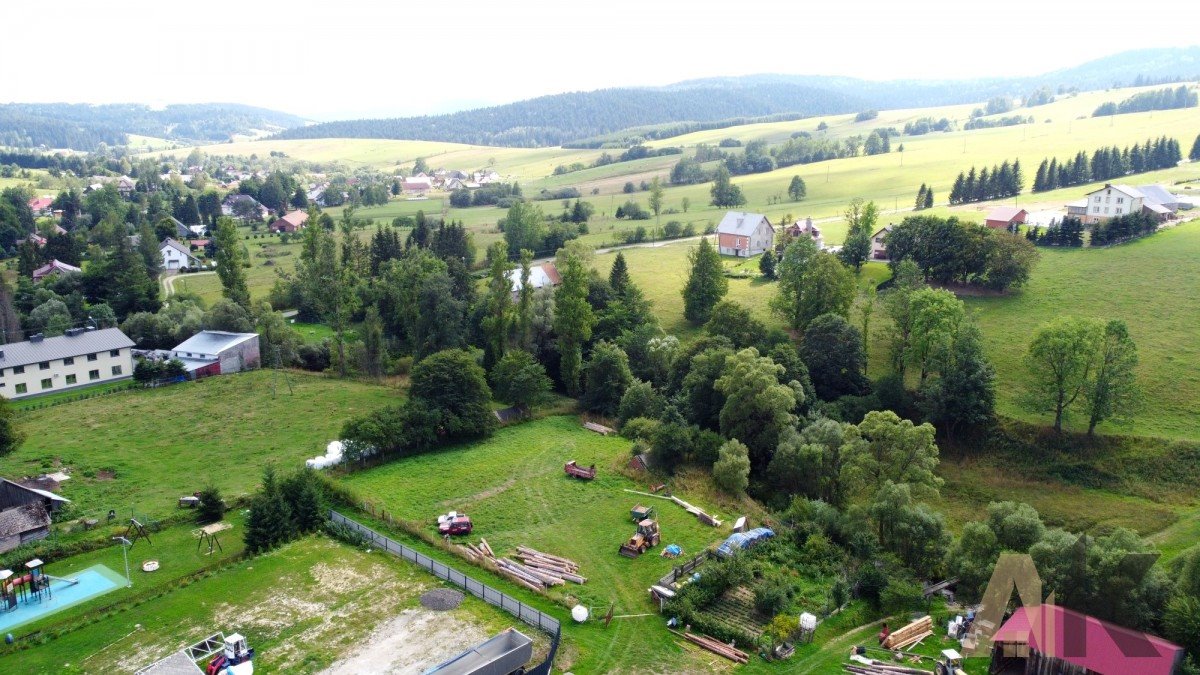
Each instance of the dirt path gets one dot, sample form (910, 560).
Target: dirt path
(168, 281)
(409, 643)
(840, 644)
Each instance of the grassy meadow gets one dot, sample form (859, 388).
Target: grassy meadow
(143, 449)
(302, 608)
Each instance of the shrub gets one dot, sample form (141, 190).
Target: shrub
(772, 596)
(642, 428)
(212, 507)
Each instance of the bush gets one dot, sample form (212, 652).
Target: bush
(731, 472)
(642, 428)
(901, 596)
(212, 507)
(772, 596)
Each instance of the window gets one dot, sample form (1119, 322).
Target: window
(17, 370)
(44, 365)
(21, 388)
(93, 374)
(91, 357)
(71, 379)
(1106, 209)
(1120, 200)
(69, 361)
(1118, 209)
(114, 353)
(1095, 209)
(116, 370)
(1097, 199)
(46, 383)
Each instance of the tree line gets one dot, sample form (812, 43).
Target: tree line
(1001, 182)
(1162, 99)
(1107, 164)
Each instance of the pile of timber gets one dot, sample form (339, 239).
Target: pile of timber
(479, 552)
(698, 512)
(909, 635)
(873, 667)
(599, 428)
(716, 646)
(564, 568)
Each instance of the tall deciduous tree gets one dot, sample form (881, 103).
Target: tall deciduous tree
(731, 471)
(936, 316)
(607, 377)
(757, 406)
(10, 436)
(656, 198)
(573, 315)
(724, 193)
(497, 305)
(797, 190)
(896, 451)
(812, 462)
(519, 380)
(373, 349)
(811, 283)
(964, 392)
(524, 330)
(1059, 365)
(897, 303)
(1112, 393)
(706, 283)
(10, 320)
(861, 219)
(832, 349)
(231, 258)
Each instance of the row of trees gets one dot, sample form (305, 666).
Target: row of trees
(924, 198)
(1123, 228)
(948, 250)
(1162, 99)
(1068, 232)
(1107, 163)
(1002, 181)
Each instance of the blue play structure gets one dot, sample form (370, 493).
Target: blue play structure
(740, 541)
(59, 594)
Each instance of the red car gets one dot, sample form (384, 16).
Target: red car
(459, 524)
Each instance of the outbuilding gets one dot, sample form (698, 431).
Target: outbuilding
(1005, 217)
(217, 352)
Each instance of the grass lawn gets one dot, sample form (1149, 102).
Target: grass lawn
(39, 401)
(302, 608)
(142, 449)
(1152, 284)
(513, 487)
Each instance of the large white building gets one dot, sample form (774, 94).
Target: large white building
(176, 255)
(1111, 201)
(78, 359)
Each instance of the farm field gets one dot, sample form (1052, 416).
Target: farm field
(310, 605)
(143, 449)
(513, 487)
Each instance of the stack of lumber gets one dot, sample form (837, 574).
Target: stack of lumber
(527, 576)
(698, 512)
(599, 428)
(910, 635)
(479, 552)
(872, 667)
(717, 647)
(551, 564)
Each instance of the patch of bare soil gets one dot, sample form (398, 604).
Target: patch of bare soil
(410, 643)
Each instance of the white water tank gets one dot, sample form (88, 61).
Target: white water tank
(808, 622)
(579, 613)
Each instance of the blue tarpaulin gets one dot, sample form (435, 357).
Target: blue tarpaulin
(743, 540)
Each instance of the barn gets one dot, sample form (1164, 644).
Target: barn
(217, 352)
(24, 513)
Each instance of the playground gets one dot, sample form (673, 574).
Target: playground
(27, 597)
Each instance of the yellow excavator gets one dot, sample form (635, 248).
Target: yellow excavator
(644, 539)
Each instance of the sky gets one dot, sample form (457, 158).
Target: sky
(360, 58)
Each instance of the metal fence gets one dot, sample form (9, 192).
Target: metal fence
(529, 615)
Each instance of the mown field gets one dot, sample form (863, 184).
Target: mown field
(143, 449)
(514, 489)
(312, 604)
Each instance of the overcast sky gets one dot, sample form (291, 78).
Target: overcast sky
(355, 58)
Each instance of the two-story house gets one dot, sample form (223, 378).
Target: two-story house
(82, 357)
(745, 234)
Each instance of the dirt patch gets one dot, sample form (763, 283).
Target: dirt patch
(479, 496)
(441, 599)
(344, 579)
(409, 643)
(105, 474)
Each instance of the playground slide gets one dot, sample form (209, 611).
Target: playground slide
(69, 582)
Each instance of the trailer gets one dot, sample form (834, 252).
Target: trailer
(575, 471)
(503, 654)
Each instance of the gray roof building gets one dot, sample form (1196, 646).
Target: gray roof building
(77, 342)
(737, 222)
(210, 343)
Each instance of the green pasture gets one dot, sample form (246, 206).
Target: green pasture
(143, 449)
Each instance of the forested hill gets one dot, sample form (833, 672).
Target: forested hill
(81, 126)
(567, 118)
(560, 118)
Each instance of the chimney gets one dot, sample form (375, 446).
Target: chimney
(72, 332)
(36, 337)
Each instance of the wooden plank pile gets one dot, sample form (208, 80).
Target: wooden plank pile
(533, 569)
(716, 646)
(698, 512)
(909, 635)
(599, 428)
(863, 666)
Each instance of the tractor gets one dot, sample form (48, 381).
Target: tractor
(644, 539)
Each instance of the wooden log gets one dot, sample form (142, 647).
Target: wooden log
(716, 646)
(486, 547)
(538, 562)
(548, 556)
(908, 642)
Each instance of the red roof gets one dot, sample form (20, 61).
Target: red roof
(552, 274)
(1088, 642)
(40, 203)
(1007, 214)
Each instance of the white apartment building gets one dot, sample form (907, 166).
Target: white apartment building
(80, 358)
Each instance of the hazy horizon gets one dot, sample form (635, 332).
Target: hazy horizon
(366, 60)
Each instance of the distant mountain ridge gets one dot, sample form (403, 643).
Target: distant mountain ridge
(82, 126)
(564, 118)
